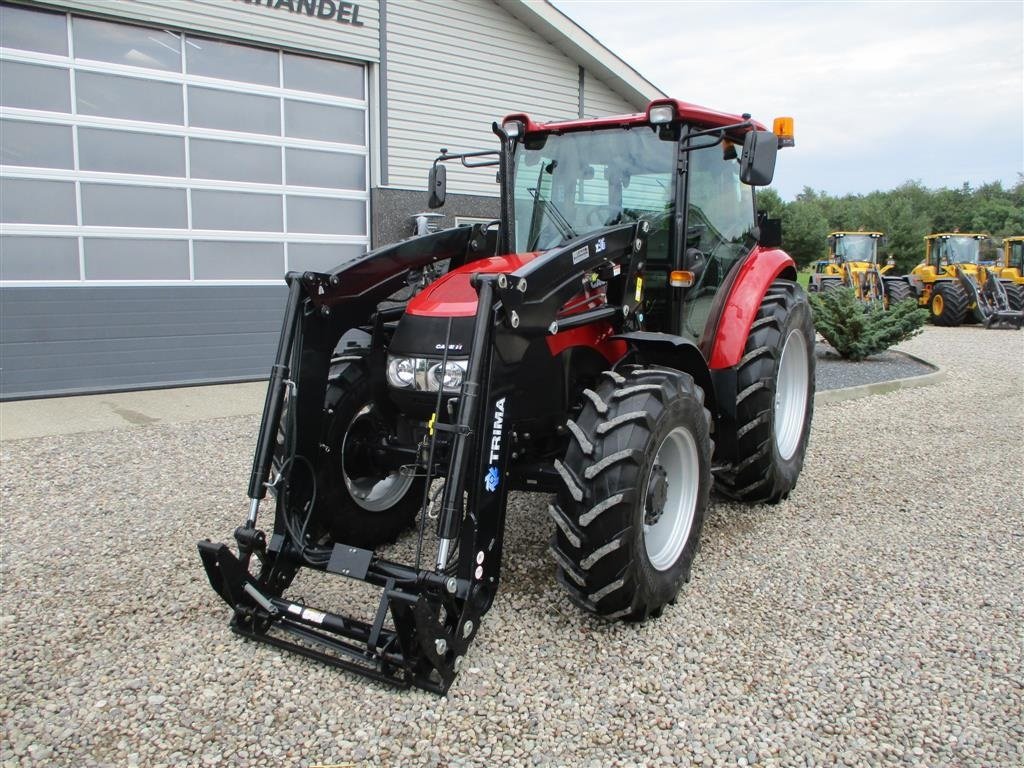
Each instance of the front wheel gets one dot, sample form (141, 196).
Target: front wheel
(364, 505)
(636, 483)
(1015, 296)
(948, 304)
(895, 292)
(775, 398)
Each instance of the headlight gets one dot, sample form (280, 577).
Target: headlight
(450, 379)
(401, 371)
(425, 374)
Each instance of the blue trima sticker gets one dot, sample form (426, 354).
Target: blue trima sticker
(491, 479)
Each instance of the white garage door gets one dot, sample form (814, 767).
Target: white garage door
(140, 156)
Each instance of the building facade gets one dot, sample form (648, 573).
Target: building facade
(163, 163)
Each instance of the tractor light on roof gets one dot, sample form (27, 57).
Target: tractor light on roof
(661, 114)
(783, 128)
(513, 128)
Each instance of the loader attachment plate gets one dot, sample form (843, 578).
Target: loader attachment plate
(430, 633)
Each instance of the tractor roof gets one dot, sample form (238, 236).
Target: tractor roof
(1013, 239)
(844, 233)
(975, 235)
(685, 112)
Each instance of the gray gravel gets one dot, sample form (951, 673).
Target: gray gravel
(876, 617)
(833, 372)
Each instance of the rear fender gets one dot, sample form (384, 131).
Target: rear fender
(673, 352)
(743, 296)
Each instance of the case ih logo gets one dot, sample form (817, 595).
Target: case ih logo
(343, 13)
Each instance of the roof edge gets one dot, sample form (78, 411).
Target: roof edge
(581, 46)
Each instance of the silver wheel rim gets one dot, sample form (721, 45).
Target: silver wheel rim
(791, 394)
(664, 541)
(372, 494)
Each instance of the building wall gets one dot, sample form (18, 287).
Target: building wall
(456, 66)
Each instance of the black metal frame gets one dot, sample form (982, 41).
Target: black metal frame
(434, 612)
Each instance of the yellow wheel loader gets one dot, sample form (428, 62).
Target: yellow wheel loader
(1011, 270)
(956, 285)
(853, 263)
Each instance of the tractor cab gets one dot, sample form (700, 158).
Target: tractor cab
(855, 248)
(943, 252)
(1012, 262)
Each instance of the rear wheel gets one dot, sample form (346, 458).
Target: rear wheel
(831, 284)
(636, 482)
(948, 304)
(775, 398)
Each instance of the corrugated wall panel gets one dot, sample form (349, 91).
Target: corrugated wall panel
(66, 340)
(600, 101)
(495, 63)
(251, 21)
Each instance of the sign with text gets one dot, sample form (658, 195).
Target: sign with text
(334, 10)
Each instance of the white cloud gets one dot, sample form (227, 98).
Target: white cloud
(862, 79)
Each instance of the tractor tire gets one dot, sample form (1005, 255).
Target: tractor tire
(1015, 296)
(831, 284)
(896, 291)
(636, 483)
(775, 399)
(364, 506)
(948, 304)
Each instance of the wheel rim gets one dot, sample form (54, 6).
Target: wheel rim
(791, 394)
(937, 305)
(679, 462)
(374, 494)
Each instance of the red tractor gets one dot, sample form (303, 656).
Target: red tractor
(625, 336)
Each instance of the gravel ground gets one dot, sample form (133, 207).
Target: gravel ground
(832, 372)
(876, 617)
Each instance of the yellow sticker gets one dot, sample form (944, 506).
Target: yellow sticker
(430, 424)
(639, 288)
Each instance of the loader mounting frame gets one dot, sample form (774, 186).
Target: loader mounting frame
(434, 612)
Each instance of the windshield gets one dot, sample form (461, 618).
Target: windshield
(579, 182)
(957, 250)
(856, 247)
(1016, 254)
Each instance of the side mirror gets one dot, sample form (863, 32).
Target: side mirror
(757, 163)
(437, 184)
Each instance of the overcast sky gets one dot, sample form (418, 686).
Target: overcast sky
(881, 92)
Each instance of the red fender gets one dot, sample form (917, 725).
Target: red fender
(755, 274)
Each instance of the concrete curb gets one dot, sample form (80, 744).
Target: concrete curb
(937, 374)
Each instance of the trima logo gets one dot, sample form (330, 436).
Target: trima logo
(491, 479)
(499, 420)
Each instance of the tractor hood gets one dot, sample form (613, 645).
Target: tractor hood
(452, 295)
(424, 326)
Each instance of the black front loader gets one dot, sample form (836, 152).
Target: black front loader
(427, 616)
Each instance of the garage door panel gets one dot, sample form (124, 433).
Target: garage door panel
(38, 145)
(234, 161)
(37, 201)
(228, 111)
(128, 98)
(29, 86)
(148, 154)
(120, 205)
